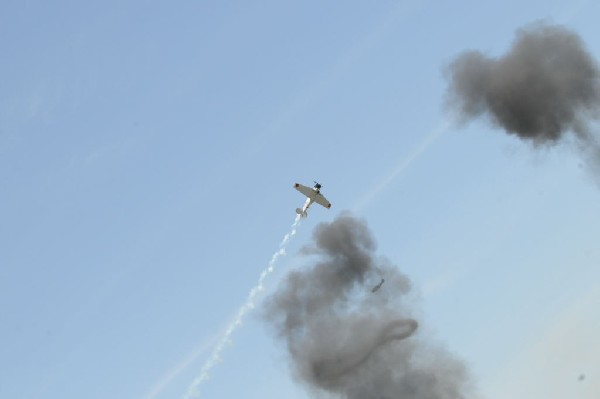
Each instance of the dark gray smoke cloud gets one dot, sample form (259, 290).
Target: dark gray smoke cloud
(545, 86)
(344, 339)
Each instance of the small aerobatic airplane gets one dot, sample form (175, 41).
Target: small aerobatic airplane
(313, 195)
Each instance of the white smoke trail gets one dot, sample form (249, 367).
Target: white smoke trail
(215, 357)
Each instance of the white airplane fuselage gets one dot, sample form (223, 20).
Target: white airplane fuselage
(312, 195)
(303, 211)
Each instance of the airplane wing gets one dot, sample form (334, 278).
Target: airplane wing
(321, 200)
(309, 192)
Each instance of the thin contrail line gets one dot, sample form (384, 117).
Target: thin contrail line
(172, 374)
(402, 165)
(215, 357)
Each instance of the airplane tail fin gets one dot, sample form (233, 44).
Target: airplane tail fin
(300, 212)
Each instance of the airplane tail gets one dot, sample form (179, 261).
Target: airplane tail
(300, 212)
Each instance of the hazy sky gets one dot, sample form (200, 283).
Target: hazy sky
(147, 157)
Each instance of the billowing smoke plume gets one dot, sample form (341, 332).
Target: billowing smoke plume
(346, 339)
(545, 86)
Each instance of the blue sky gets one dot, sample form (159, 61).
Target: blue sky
(147, 156)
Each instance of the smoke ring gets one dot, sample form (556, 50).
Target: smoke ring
(327, 370)
(409, 326)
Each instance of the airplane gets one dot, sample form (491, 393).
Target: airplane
(313, 195)
(378, 286)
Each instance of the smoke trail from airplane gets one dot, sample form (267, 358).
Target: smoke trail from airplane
(345, 339)
(215, 357)
(544, 87)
